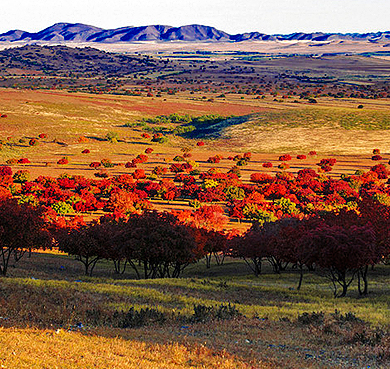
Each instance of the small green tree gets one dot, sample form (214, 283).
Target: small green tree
(112, 136)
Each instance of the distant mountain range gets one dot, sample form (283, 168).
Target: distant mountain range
(77, 32)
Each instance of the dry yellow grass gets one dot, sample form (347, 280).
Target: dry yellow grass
(33, 348)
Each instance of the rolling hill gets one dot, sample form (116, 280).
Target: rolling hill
(77, 32)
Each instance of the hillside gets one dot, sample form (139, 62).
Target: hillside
(78, 60)
(77, 32)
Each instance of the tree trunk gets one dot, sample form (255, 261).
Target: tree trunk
(300, 277)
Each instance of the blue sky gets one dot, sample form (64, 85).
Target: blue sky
(237, 16)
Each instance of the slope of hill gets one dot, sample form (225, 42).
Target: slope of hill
(77, 32)
(63, 58)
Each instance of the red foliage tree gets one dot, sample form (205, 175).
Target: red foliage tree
(156, 242)
(22, 227)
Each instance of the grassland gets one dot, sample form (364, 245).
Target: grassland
(53, 316)
(74, 315)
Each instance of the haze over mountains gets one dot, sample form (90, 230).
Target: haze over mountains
(77, 32)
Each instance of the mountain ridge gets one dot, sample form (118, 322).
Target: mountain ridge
(79, 32)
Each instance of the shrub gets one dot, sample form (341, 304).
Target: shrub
(21, 176)
(130, 164)
(214, 159)
(301, 157)
(83, 139)
(200, 143)
(145, 135)
(285, 157)
(12, 161)
(5, 170)
(107, 163)
(62, 207)
(311, 318)
(102, 173)
(159, 170)
(33, 142)
(261, 178)
(267, 165)
(380, 170)
(63, 161)
(139, 174)
(178, 158)
(42, 135)
(376, 157)
(86, 151)
(195, 172)
(376, 151)
(142, 158)
(325, 168)
(312, 153)
(136, 319)
(283, 166)
(95, 164)
(242, 162)
(235, 170)
(23, 161)
(203, 313)
(112, 137)
(327, 162)
(149, 150)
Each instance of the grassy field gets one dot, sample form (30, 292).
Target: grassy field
(51, 315)
(55, 313)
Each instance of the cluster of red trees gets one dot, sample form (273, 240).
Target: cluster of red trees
(308, 220)
(342, 244)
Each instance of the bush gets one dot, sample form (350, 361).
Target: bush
(63, 161)
(139, 174)
(23, 161)
(283, 166)
(62, 207)
(203, 313)
(285, 157)
(95, 164)
(86, 151)
(200, 143)
(83, 139)
(311, 318)
(112, 137)
(135, 319)
(376, 157)
(261, 178)
(102, 173)
(107, 163)
(5, 170)
(301, 157)
(267, 165)
(142, 158)
(33, 142)
(21, 176)
(12, 161)
(42, 135)
(130, 164)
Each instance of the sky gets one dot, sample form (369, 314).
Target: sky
(232, 16)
